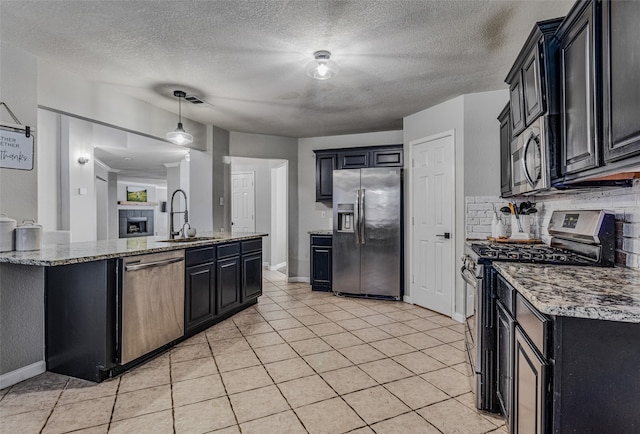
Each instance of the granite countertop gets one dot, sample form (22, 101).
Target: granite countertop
(321, 232)
(73, 253)
(583, 292)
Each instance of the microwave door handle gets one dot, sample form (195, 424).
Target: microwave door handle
(525, 169)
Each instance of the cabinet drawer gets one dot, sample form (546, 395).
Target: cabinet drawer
(199, 255)
(505, 294)
(321, 240)
(252, 246)
(534, 324)
(226, 250)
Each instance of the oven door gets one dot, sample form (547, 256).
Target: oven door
(470, 328)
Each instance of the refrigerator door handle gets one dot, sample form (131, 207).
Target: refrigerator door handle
(356, 219)
(362, 216)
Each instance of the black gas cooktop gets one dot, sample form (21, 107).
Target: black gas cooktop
(537, 253)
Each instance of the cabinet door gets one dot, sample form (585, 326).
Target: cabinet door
(357, 159)
(620, 85)
(532, 86)
(251, 276)
(579, 140)
(325, 165)
(200, 303)
(504, 357)
(529, 387)
(321, 267)
(228, 284)
(505, 152)
(391, 157)
(517, 105)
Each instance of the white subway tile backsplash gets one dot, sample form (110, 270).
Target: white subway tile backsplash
(624, 202)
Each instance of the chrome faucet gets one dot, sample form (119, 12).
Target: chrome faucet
(172, 232)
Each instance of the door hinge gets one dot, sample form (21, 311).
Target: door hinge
(412, 221)
(413, 163)
(413, 278)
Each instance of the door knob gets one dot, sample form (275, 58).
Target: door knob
(446, 235)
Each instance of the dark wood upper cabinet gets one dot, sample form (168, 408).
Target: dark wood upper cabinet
(531, 79)
(505, 152)
(534, 102)
(620, 84)
(516, 104)
(578, 120)
(326, 163)
(355, 159)
(328, 160)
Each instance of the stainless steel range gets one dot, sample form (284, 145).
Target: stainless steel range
(583, 237)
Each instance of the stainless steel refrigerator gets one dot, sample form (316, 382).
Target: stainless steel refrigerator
(367, 232)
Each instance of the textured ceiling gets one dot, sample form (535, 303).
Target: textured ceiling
(247, 58)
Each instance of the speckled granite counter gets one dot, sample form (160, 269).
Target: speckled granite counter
(321, 232)
(584, 292)
(73, 253)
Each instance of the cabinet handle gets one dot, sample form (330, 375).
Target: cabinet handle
(152, 264)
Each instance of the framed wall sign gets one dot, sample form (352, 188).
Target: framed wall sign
(16, 149)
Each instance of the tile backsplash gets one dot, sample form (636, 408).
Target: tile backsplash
(624, 202)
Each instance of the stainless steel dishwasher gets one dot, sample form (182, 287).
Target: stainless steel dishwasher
(152, 303)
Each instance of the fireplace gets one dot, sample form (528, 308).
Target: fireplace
(135, 223)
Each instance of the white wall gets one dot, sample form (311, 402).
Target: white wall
(310, 212)
(49, 170)
(201, 187)
(21, 287)
(473, 118)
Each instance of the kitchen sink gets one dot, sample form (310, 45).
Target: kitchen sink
(190, 239)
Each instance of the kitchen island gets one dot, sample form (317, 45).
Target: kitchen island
(568, 347)
(102, 318)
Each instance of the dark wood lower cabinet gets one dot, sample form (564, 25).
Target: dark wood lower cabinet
(529, 387)
(251, 276)
(228, 284)
(200, 295)
(504, 356)
(321, 262)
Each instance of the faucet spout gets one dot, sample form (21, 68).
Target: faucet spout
(172, 231)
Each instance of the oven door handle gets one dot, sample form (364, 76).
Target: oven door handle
(471, 281)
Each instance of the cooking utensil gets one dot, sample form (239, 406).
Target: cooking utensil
(514, 210)
(28, 236)
(7, 226)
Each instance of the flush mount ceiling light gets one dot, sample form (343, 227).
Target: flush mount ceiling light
(321, 68)
(179, 136)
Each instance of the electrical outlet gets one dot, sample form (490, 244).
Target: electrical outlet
(222, 201)
(323, 214)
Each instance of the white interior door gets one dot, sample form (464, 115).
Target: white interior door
(432, 198)
(243, 202)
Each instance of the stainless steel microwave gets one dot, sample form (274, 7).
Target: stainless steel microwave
(529, 164)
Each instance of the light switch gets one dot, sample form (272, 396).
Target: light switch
(82, 191)
(222, 201)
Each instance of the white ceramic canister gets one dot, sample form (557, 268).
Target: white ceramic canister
(28, 236)
(7, 226)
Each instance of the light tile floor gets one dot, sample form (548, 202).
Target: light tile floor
(297, 362)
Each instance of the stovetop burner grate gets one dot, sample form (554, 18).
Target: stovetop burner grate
(534, 254)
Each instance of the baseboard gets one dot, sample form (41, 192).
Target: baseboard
(21, 374)
(407, 299)
(299, 280)
(458, 317)
(265, 264)
(277, 266)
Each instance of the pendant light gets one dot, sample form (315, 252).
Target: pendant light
(179, 136)
(322, 68)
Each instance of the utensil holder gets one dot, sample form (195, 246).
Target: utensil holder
(525, 222)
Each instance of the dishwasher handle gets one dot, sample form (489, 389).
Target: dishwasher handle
(146, 265)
